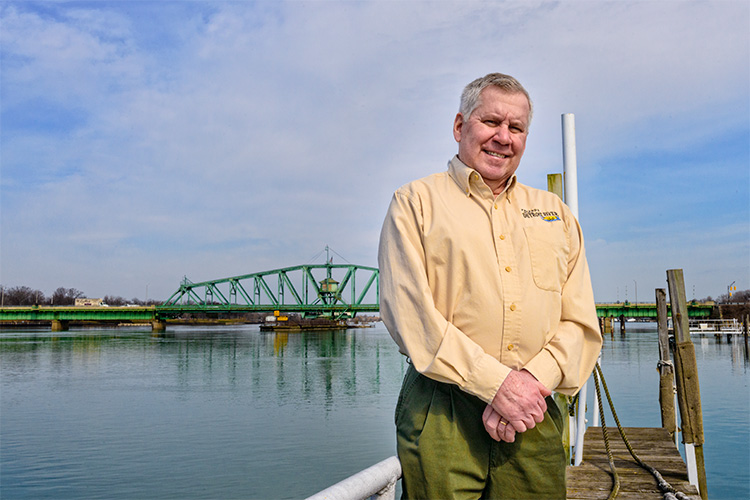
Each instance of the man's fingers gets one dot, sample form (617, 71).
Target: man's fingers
(498, 427)
(492, 431)
(491, 420)
(520, 426)
(543, 390)
(508, 433)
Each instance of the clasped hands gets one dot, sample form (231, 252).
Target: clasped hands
(518, 406)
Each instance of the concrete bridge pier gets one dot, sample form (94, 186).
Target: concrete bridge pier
(59, 325)
(158, 325)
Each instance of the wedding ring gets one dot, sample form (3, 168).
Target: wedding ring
(504, 423)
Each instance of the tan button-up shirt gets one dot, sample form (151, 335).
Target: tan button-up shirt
(473, 285)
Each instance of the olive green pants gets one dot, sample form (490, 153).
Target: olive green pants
(446, 453)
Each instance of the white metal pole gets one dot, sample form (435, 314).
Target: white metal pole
(570, 166)
(570, 175)
(596, 406)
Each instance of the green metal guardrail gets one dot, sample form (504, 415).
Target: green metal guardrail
(647, 310)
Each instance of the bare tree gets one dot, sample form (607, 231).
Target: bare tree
(23, 296)
(737, 297)
(112, 300)
(65, 296)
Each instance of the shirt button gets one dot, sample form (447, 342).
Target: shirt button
(507, 269)
(510, 347)
(512, 307)
(502, 236)
(495, 206)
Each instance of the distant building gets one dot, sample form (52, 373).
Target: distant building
(90, 302)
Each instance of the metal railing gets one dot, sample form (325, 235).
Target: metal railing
(714, 326)
(378, 482)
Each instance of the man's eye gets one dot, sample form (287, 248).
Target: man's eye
(491, 123)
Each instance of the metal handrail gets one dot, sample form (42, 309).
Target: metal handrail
(378, 481)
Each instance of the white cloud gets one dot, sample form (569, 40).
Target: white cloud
(199, 138)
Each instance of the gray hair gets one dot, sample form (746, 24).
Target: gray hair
(470, 95)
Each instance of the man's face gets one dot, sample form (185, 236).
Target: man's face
(492, 140)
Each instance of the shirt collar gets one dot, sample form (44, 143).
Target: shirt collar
(470, 181)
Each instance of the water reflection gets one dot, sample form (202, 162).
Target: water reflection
(303, 364)
(232, 412)
(224, 412)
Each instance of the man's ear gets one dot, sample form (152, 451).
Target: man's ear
(458, 124)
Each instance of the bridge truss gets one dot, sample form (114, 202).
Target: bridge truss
(313, 290)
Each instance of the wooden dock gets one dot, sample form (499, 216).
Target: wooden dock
(592, 479)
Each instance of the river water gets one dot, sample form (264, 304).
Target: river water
(234, 413)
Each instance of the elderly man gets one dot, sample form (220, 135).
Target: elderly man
(485, 288)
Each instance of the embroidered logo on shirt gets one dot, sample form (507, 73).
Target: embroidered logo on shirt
(550, 216)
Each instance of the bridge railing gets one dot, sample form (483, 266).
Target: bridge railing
(648, 310)
(323, 287)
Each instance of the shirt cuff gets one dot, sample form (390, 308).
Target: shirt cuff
(486, 378)
(544, 367)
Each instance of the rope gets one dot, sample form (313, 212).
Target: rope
(605, 433)
(669, 493)
(663, 362)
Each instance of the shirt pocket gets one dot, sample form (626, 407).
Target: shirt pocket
(548, 251)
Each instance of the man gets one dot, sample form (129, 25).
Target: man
(485, 288)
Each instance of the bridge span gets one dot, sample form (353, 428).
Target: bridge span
(331, 290)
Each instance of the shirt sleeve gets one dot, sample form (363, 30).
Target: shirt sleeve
(437, 348)
(568, 358)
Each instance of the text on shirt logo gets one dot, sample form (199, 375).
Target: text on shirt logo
(545, 216)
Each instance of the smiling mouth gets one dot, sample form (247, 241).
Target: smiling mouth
(496, 155)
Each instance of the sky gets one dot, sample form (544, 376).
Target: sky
(144, 141)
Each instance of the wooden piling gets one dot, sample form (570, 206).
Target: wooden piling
(744, 335)
(686, 370)
(666, 368)
(555, 184)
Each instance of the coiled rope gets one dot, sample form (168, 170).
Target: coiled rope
(669, 493)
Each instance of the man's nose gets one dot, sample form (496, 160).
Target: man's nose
(502, 134)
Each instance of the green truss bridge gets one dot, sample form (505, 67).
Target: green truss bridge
(313, 290)
(332, 290)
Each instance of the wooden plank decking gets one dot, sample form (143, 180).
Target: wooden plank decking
(592, 480)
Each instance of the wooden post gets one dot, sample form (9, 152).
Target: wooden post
(688, 389)
(666, 368)
(555, 184)
(744, 334)
(622, 324)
